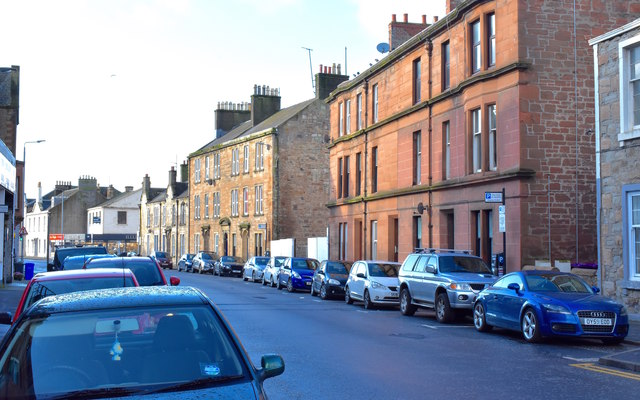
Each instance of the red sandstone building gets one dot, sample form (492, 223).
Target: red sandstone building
(497, 95)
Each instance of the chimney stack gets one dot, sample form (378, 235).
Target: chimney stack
(228, 115)
(451, 5)
(128, 189)
(172, 178)
(328, 80)
(184, 172)
(146, 186)
(110, 192)
(264, 103)
(39, 192)
(400, 32)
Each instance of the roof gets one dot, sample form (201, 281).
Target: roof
(105, 299)
(81, 274)
(162, 196)
(118, 198)
(246, 129)
(616, 32)
(180, 188)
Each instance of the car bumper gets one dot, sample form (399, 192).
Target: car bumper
(335, 290)
(232, 270)
(462, 300)
(569, 325)
(301, 283)
(383, 296)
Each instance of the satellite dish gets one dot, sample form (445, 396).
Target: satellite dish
(383, 47)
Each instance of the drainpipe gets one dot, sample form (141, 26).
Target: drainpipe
(366, 152)
(598, 181)
(430, 151)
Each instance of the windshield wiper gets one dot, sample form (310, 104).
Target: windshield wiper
(198, 383)
(95, 393)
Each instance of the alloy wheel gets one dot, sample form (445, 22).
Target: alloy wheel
(323, 292)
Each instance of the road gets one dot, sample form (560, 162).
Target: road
(334, 350)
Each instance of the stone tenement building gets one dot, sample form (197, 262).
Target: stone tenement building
(498, 95)
(164, 216)
(617, 132)
(265, 178)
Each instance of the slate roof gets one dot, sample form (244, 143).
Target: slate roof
(246, 128)
(121, 196)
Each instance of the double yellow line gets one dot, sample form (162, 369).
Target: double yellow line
(609, 371)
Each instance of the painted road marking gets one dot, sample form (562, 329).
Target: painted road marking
(446, 326)
(581, 360)
(609, 371)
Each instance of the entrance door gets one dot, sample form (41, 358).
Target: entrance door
(396, 239)
(245, 245)
(225, 244)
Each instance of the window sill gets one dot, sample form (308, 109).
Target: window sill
(633, 285)
(628, 135)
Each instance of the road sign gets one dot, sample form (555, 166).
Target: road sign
(502, 219)
(54, 237)
(262, 226)
(23, 231)
(493, 197)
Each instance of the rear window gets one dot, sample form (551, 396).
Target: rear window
(145, 270)
(42, 289)
(63, 253)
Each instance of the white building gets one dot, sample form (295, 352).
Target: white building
(116, 222)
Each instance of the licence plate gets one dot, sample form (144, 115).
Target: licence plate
(597, 321)
(308, 283)
(393, 294)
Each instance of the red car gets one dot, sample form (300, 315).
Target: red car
(51, 283)
(147, 270)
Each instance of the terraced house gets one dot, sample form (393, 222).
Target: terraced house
(265, 176)
(488, 109)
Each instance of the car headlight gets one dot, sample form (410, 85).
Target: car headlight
(554, 308)
(377, 285)
(295, 275)
(623, 311)
(459, 286)
(334, 282)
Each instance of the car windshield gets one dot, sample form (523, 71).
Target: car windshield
(189, 257)
(262, 260)
(232, 259)
(557, 283)
(278, 261)
(383, 270)
(337, 268)
(161, 254)
(304, 264)
(207, 256)
(42, 289)
(462, 264)
(118, 352)
(145, 269)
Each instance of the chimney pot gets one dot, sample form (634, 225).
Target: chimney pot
(406, 17)
(393, 18)
(435, 18)
(424, 19)
(320, 68)
(333, 69)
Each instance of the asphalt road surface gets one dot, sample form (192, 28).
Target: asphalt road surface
(333, 350)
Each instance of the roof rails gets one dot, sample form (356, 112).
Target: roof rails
(434, 250)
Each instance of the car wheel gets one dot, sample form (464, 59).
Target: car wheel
(323, 292)
(444, 313)
(264, 281)
(271, 282)
(278, 284)
(199, 270)
(480, 318)
(612, 341)
(290, 288)
(244, 277)
(368, 304)
(406, 308)
(347, 296)
(253, 277)
(530, 326)
(313, 292)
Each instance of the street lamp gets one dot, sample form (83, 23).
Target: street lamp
(24, 187)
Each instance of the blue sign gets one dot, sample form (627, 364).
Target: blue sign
(262, 226)
(96, 220)
(493, 197)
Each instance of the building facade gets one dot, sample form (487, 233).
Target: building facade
(616, 63)
(265, 178)
(164, 216)
(116, 222)
(483, 112)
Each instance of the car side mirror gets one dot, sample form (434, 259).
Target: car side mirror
(595, 289)
(5, 318)
(360, 275)
(514, 286)
(174, 280)
(321, 272)
(431, 269)
(272, 365)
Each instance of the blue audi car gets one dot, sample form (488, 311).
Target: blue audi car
(545, 303)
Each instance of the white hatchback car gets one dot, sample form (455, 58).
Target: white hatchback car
(373, 282)
(270, 275)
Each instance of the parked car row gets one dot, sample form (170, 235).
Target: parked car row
(68, 341)
(455, 283)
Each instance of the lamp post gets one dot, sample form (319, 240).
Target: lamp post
(24, 179)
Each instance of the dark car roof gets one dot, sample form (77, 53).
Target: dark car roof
(543, 272)
(119, 298)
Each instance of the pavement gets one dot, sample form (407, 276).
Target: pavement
(630, 359)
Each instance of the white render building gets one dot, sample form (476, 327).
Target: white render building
(116, 222)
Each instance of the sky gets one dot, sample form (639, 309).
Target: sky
(123, 88)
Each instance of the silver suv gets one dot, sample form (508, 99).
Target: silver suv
(443, 279)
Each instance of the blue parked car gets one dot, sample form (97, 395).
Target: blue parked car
(545, 303)
(296, 273)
